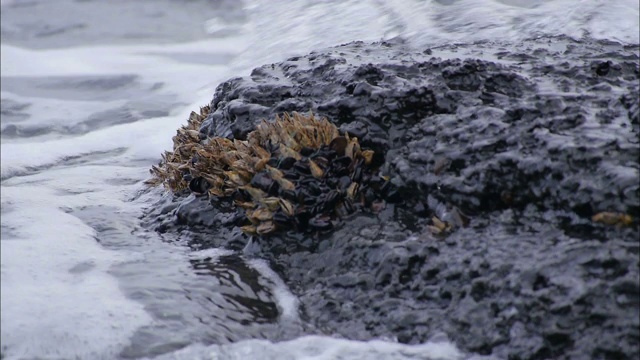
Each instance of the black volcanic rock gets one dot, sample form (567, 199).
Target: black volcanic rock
(530, 140)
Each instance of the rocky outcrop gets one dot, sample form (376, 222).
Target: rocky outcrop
(528, 141)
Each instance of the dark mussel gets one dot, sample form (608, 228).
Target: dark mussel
(377, 182)
(307, 151)
(366, 177)
(341, 162)
(286, 163)
(261, 180)
(264, 182)
(331, 199)
(272, 147)
(311, 185)
(301, 218)
(343, 183)
(331, 182)
(341, 171)
(386, 189)
(317, 208)
(325, 152)
(241, 195)
(304, 198)
(323, 162)
(273, 162)
(356, 175)
(302, 167)
(324, 187)
(368, 196)
(345, 208)
(339, 144)
(291, 175)
(199, 185)
(282, 220)
(289, 195)
(273, 189)
(326, 203)
(320, 223)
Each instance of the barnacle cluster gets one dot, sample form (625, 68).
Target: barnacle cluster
(297, 172)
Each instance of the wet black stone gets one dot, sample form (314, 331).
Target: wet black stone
(508, 133)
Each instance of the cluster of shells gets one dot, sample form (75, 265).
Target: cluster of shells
(297, 172)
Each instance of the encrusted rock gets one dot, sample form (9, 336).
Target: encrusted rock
(527, 145)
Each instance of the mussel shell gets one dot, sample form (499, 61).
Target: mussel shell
(331, 182)
(291, 175)
(313, 188)
(340, 171)
(339, 144)
(389, 192)
(265, 228)
(273, 162)
(305, 198)
(302, 218)
(271, 147)
(264, 182)
(199, 185)
(273, 189)
(241, 195)
(345, 208)
(376, 182)
(385, 187)
(341, 162)
(343, 183)
(307, 151)
(286, 163)
(356, 175)
(289, 195)
(332, 198)
(323, 162)
(325, 152)
(368, 196)
(282, 220)
(320, 223)
(302, 167)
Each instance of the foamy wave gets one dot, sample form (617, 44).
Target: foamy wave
(318, 348)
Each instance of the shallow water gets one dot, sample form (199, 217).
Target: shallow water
(91, 94)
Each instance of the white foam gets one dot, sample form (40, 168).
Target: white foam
(318, 348)
(104, 60)
(58, 300)
(287, 302)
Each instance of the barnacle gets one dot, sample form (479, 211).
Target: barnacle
(612, 218)
(297, 172)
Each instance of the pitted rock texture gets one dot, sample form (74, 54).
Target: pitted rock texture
(530, 140)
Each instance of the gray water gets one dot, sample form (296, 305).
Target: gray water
(92, 92)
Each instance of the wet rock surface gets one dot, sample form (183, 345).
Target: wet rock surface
(528, 140)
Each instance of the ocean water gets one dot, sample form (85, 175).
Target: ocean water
(91, 94)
